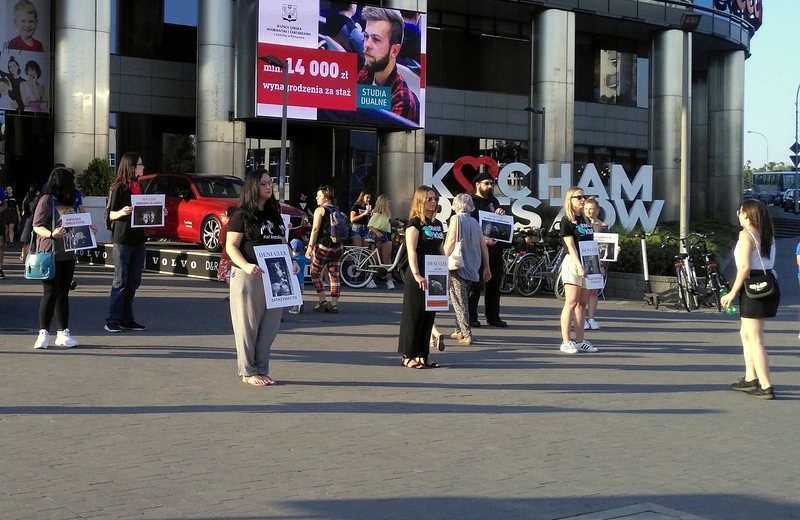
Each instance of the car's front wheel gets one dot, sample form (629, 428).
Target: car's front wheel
(209, 234)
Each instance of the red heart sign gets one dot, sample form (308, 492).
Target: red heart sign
(475, 164)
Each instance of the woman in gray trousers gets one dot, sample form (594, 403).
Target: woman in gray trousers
(257, 221)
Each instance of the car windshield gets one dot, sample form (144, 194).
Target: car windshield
(219, 188)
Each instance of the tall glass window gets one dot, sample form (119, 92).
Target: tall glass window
(607, 70)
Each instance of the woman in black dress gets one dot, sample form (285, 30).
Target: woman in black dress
(424, 236)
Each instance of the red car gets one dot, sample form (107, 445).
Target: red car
(198, 204)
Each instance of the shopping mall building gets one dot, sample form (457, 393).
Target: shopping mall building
(126, 75)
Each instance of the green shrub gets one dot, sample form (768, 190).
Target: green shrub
(660, 259)
(96, 179)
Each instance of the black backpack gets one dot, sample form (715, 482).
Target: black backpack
(339, 226)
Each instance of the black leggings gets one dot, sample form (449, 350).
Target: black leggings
(56, 296)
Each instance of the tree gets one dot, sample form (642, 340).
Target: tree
(96, 179)
(179, 154)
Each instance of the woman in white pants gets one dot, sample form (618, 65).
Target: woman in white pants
(256, 222)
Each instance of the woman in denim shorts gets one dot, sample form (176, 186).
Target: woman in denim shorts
(380, 232)
(360, 213)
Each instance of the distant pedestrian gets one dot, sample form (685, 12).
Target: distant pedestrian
(56, 202)
(360, 212)
(29, 204)
(129, 245)
(465, 230)
(324, 252)
(299, 255)
(755, 255)
(424, 236)
(11, 217)
(380, 235)
(591, 210)
(257, 221)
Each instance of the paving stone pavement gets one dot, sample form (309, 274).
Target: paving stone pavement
(156, 424)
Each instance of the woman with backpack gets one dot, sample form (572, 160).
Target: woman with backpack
(325, 249)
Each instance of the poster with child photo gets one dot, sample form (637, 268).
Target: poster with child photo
(25, 79)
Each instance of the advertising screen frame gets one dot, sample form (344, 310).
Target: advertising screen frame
(344, 66)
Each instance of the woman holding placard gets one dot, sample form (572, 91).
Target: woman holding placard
(575, 228)
(56, 201)
(424, 236)
(256, 221)
(591, 210)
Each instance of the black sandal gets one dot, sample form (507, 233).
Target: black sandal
(411, 363)
(430, 365)
(321, 307)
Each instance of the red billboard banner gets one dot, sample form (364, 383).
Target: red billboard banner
(317, 78)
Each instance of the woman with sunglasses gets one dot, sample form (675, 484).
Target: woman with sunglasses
(755, 255)
(574, 228)
(424, 236)
(257, 221)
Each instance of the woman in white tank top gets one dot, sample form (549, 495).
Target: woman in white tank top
(755, 240)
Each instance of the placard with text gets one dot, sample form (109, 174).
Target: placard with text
(281, 287)
(437, 276)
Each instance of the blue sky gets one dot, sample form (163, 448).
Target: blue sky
(771, 79)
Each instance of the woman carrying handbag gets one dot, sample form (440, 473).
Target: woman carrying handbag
(759, 295)
(56, 201)
(466, 248)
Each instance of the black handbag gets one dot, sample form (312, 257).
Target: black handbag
(41, 265)
(761, 285)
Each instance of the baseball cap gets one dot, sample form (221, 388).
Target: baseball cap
(297, 245)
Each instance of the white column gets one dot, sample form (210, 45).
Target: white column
(553, 85)
(82, 65)
(666, 89)
(400, 155)
(220, 142)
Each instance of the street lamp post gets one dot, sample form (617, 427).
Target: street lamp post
(689, 23)
(541, 137)
(765, 140)
(275, 62)
(796, 208)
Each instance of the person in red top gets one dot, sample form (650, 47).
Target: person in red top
(26, 18)
(383, 39)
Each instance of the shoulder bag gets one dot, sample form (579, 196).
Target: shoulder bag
(41, 265)
(761, 285)
(456, 259)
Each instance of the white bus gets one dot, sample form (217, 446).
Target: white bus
(768, 187)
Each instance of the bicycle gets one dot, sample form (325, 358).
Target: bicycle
(361, 264)
(690, 293)
(539, 268)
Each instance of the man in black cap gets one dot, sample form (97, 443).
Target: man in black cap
(485, 200)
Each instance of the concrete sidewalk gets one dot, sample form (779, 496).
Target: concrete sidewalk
(156, 424)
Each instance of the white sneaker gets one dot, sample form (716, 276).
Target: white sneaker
(63, 339)
(586, 325)
(390, 285)
(592, 324)
(295, 309)
(569, 347)
(372, 285)
(585, 346)
(43, 340)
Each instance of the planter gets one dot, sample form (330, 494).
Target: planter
(96, 206)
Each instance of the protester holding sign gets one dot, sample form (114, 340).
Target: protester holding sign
(484, 200)
(574, 228)
(256, 222)
(591, 210)
(424, 236)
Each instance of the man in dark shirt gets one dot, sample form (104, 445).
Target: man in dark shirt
(485, 200)
(383, 39)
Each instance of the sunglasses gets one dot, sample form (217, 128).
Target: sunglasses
(432, 199)
(580, 197)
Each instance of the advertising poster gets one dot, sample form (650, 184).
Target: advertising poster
(347, 62)
(25, 77)
(607, 244)
(148, 210)
(287, 224)
(590, 259)
(437, 295)
(281, 287)
(498, 227)
(79, 232)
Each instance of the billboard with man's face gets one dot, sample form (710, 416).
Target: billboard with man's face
(348, 62)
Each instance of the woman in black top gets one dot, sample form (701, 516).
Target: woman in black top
(359, 216)
(324, 252)
(57, 201)
(29, 204)
(129, 248)
(424, 236)
(257, 221)
(574, 228)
